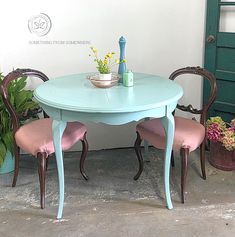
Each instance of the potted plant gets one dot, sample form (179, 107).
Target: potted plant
(26, 107)
(104, 66)
(222, 143)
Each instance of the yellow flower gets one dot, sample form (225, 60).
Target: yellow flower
(94, 50)
(124, 60)
(105, 61)
(109, 55)
(104, 65)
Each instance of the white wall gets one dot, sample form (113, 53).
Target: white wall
(161, 37)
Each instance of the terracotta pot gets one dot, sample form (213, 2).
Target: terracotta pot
(221, 158)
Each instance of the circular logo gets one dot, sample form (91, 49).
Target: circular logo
(39, 24)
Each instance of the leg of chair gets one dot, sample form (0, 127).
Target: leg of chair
(83, 157)
(17, 161)
(139, 156)
(42, 175)
(184, 168)
(47, 161)
(207, 145)
(202, 158)
(172, 159)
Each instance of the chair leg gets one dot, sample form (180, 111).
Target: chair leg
(139, 156)
(207, 145)
(172, 159)
(184, 152)
(42, 176)
(83, 156)
(202, 158)
(17, 161)
(47, 161)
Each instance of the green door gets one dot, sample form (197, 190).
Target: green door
(220, 57)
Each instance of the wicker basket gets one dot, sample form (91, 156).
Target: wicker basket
(221, 158)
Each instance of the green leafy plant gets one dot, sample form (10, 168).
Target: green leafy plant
(104, 66)
(22, 101)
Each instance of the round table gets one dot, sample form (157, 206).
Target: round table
(74, 98)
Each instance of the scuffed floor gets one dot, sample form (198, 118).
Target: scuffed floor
(111, 203)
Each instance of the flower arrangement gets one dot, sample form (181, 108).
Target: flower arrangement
(219, 131)
(104, 66)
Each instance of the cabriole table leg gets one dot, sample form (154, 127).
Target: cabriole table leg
(58, 128)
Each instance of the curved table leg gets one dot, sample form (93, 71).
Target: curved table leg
(146, 147)
(169, 126)
(58, 128)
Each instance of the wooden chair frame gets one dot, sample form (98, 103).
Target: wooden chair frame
(42, 156)
(184, 152)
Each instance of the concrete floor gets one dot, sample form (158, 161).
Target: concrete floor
(112, 204)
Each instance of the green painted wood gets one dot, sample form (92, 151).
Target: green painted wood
(226, 59)
(227, 107)
(73, 98)
(227, 3)
(225, 39)
(212, 25)
(58, 128)
(225, 75)
(148, 92)
(226, 91)
(225, 110)
(220, 59)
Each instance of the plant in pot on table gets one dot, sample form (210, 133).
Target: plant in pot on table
(104, 66)
(26, 107)
(222, 143)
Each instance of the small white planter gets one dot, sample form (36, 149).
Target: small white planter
(105, 77)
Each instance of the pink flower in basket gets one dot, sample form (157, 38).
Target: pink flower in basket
(219, 131)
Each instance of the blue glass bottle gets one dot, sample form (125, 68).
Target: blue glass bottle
(122, 66)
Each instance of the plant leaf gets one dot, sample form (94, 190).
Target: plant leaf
(20, 83)
(8, 141)
(3, 152)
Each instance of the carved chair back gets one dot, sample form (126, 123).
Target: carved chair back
(206, 75)
(14, 75)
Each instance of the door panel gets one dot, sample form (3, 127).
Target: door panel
(226, 91)
(224, 38)
(220, 56)
(225, 59)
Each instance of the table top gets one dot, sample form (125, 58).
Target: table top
(76, 93)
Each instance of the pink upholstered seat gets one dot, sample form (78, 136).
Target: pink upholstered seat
(36, 136)
(188, 133)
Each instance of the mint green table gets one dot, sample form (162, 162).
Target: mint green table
(74, 98)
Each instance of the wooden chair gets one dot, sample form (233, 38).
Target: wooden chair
(36, 137)
(189, 134)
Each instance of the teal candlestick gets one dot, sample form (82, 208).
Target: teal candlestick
(122, 66)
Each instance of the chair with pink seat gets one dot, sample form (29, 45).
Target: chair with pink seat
(36, 137)
(189, 134)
